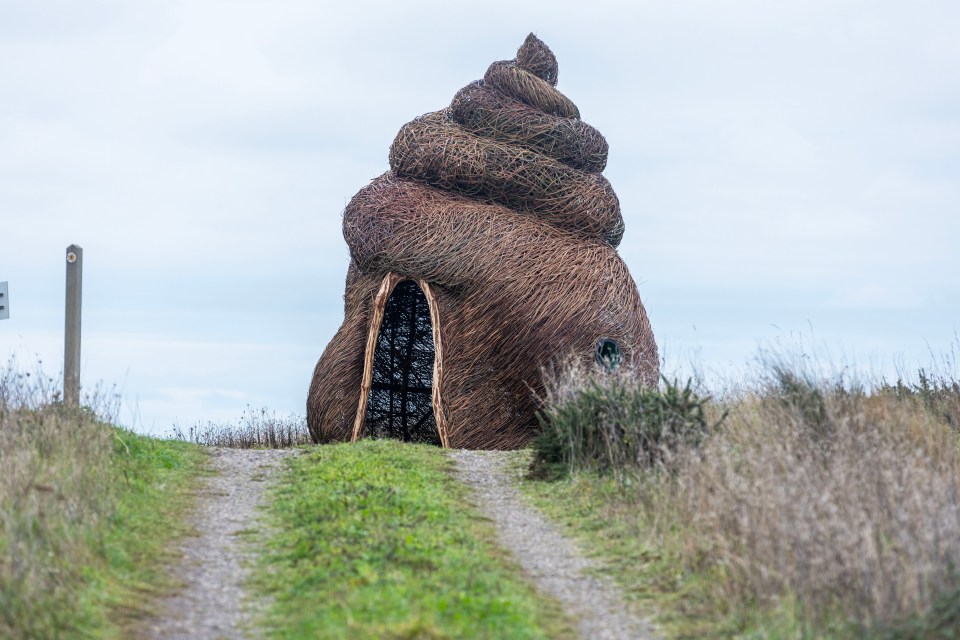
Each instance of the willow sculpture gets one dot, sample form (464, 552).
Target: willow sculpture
(486, 253)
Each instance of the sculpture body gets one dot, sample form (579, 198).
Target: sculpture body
(486, 253)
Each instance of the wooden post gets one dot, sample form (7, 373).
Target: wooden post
(71, 350)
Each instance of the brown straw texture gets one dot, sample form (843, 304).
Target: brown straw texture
(496, 208)
(536, 57)
(489, 114)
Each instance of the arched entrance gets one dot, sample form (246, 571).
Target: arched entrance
(399, 395)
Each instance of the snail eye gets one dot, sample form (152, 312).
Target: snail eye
(608, 354)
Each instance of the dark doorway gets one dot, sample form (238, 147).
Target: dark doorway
(400, 404)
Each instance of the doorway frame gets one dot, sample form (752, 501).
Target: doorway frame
(390, 282)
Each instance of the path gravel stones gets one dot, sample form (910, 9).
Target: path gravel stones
(212, 604)
(554, 563)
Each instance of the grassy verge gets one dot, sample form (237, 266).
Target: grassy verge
(816, 509)
(86, 512)
(156, 485)
(619, 530)
(376, 540)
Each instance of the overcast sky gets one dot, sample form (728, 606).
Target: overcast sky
(787, 172)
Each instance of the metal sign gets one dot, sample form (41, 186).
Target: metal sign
(4, 301)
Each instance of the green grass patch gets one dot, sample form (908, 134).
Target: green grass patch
(156, 482)
(377, 540)
(87, 511)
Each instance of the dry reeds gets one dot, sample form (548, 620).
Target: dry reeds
(256, 430)
(496, 204)
(842, 499)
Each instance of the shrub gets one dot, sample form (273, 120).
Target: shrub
(611, 422)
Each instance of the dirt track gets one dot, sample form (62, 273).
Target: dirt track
(554, 563)
(212, 603)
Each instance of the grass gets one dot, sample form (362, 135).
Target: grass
(86, 512)
(817, 508)
(796, 506)
(376, 540)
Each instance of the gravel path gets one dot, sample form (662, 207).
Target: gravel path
(211, 603)
(555, 564)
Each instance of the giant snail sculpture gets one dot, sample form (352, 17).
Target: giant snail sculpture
(486, 253)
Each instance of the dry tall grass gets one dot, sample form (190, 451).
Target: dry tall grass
(256, 430)
(840, 499)
(51, 487)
